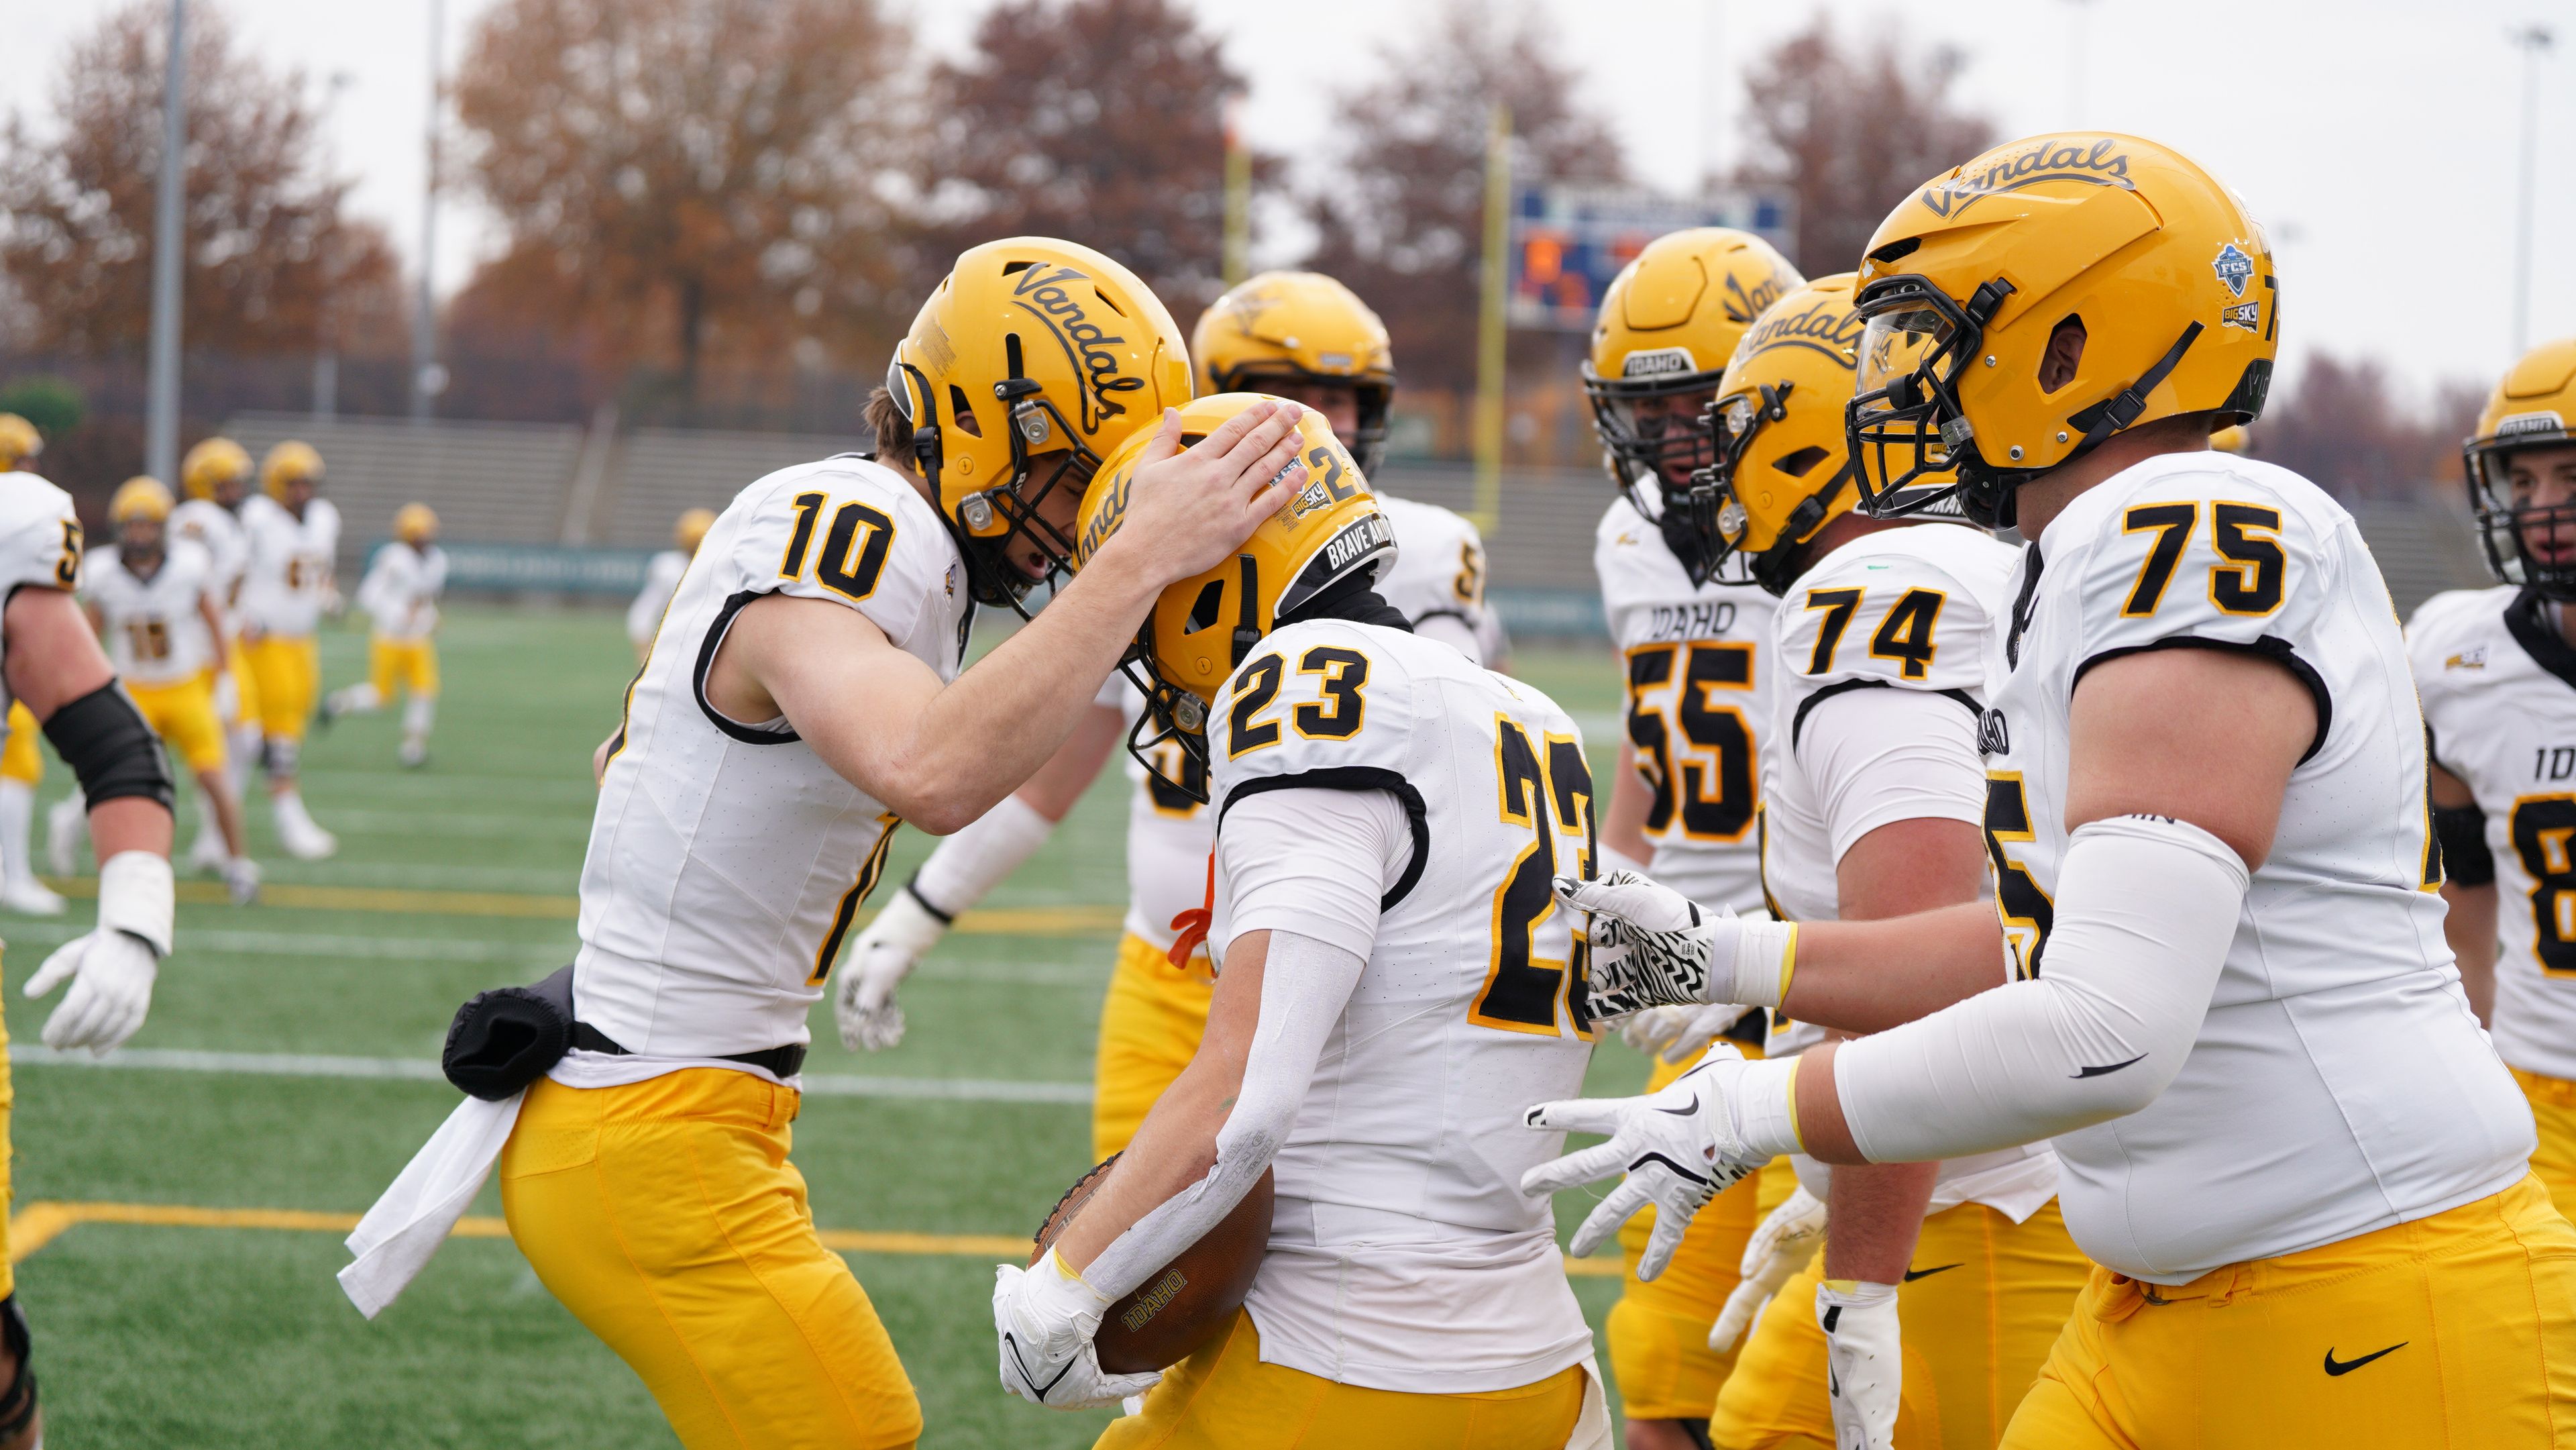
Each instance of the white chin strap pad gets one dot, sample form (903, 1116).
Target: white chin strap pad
(2146, 908)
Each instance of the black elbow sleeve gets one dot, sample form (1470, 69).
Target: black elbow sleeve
(2466, 861)
(102, 737)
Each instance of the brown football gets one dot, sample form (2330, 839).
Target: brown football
(1182, 1304)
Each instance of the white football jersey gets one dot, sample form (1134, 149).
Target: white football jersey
(1399, 1198)
(400, 592)
(1898, 613)
(2498, 683)
(726, 860)
(661, 580)
(214, 528)
(154, 632)
(40, 544)
(2339, 1083)
(288, 571)
(1698, 682)
(1439, 569)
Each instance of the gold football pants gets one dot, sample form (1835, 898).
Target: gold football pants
(666, 1217)
(1984, 1300)
(20, 760)
(2454, 1332)
(1150, 1026)
(1225, 1398)
(1658, 1331)
(2553, 1110)
(183, 715)
(284, 674)
(411, 664)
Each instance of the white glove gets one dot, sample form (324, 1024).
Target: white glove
(1783, 1244)
(863, 1005)
(111, 969)
(1044, 1317)
(1678, 1034)
(1654, 947)
(1864, 1361)
(1678, 1148)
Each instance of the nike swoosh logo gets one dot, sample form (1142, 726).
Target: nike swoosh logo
(1913, 1274)
(2343, 1367)
(2110, 1068)
(1683, 1112)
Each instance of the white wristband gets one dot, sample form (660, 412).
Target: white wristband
(1764, 1107)
(1763, 951)
(1607, 858)
(981, 853)
(136, 895)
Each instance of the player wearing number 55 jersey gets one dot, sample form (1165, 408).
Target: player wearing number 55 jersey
(1389, 969)
(2497, 674)
(2292, 1156)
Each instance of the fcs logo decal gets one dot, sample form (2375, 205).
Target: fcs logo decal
(1827, 327)
(1046, 297)
(2051, 158)
(1747, 306)
(2233, 268)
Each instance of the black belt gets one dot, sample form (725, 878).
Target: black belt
(780, 1062)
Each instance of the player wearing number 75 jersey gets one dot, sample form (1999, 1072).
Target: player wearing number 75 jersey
(2497, 674)
(1391, 970)
(2294, 1160)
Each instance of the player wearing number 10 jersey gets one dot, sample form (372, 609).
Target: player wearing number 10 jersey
(2497, 675)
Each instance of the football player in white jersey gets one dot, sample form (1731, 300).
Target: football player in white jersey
(1390, 972)
(51, 662)
(293, 535)
(22, 764)
(1297, 335)
(662, 578)
(803, 697)
(2293, 1157)
(213, 479)
(151, 596)
(1694, 651)
(2497, 674)
(1873, 801)
(400, 594)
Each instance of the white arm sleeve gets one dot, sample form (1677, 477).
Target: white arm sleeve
(2146, 908)
(979, 855)
(1304, 985)
(1454, 632)
(1879, 756)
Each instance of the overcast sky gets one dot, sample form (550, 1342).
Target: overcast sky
(2378, 139)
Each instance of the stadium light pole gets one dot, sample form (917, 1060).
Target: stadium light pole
(2533, 40)
(428, 380)
(161, 421)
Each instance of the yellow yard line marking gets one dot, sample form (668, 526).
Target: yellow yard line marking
(1086, 920)
(44, 1221)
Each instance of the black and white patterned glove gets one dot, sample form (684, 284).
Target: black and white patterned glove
(1654, 947)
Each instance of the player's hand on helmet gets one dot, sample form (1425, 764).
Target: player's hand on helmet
(1189, 509)
(111, 977)
(1865, 1360)
(1044, 1317)
(1787, 1238)
(1678, 1148)
(1654, 947)
(1679, 1034)
(863, 1004)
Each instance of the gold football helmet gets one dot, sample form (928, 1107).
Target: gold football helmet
(691, 530)
(213, 467)
(1303, 326)
(415, 524)
(1204, 626)
(289, 462)
(1667, 326)
(140, 497)
(1030, 349)
(19, 442)
(2533, 408)
(1971, 277)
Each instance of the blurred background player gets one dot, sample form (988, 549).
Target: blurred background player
(2496, 669)
(286, 586)
(1694, 649)
(1873, 805)
(1298, 335)
(400, 596)
(22, 761)
(152, 598)
(213, 480)
(1389, 809)
(662, 578)
(50, 660)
